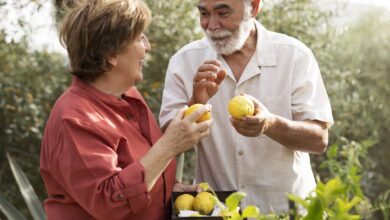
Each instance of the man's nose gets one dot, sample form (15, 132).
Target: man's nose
(213, 23)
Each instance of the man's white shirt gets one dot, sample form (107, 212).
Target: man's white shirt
(284, 75)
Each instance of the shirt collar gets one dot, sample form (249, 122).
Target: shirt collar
(265, 51)
(79, 84)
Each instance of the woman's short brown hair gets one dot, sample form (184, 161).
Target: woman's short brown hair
(93, 30)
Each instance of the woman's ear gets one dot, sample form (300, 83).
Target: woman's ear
(112, 60)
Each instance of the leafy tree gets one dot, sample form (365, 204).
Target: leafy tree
(353, 63)
(30, 82)
(360, 92)
(174, 25)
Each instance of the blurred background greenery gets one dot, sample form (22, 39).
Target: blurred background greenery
(353, 57)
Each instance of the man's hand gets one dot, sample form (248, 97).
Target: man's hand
(253, 126)
(308, 136)
(207, 81)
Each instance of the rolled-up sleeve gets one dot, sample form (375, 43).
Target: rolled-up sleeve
(309, 97)
(85, 163)
(135, 189)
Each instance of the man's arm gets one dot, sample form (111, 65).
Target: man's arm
(308, 136)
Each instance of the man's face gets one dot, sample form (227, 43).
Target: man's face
(227, 23)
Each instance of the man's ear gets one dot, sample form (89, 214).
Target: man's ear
(256, 6)
(112, 60)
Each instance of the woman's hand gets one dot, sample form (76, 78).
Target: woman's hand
(183, 133)
(180, 187)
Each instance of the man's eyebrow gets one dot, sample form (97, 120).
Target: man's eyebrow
(219, 6)
(201, 8)
(223, 6)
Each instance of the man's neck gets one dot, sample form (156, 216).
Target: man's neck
(238, 60)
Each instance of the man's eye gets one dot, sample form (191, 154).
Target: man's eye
(224, 14)
(204, 14)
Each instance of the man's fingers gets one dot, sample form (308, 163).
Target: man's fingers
(220, 77)
(213, 61)
(246, 132)
(208, 67)
(205, 84)
(249, 123)
(207, 75)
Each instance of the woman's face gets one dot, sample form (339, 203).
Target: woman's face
(128, 63)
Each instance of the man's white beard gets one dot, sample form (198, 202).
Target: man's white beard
(227, 42)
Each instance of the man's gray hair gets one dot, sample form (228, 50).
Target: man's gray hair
(248, 3)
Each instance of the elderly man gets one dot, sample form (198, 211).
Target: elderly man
(264, 155)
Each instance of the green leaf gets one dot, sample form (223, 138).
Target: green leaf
(298, 200)
(315, 211)
(204, 186)
(235, 216)
(251, 212)
(28, 193)
(333, 188)
(234, 199)
(368, 143)
(332, 151)
(10, 211)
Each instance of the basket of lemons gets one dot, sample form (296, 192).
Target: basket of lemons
(195, 206)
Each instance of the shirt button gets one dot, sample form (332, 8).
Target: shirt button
(121, 196)
(129, 116)
(240, 152)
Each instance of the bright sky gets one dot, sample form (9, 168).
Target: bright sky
(45, 34)
(381, 3)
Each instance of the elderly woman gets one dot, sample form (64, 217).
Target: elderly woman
(103, 154)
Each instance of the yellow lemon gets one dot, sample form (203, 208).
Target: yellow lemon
(194, 107)
(183, 202)
(241, 106)
(203, 203)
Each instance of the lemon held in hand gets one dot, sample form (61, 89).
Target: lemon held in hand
(204, 203)
(241, 106)
(194, 107)
(183, 202)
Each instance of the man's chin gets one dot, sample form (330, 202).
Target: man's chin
(225, 51)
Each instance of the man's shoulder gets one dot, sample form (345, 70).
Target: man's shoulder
(285, 42)
(194, 48)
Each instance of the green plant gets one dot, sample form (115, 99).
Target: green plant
(28, 193)
(329, 200)
(230, 210)
(339, 197)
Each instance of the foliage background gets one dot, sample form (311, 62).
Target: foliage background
(353, 60)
